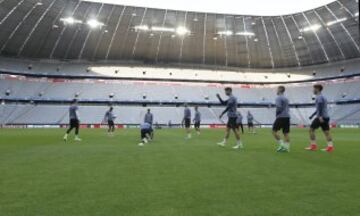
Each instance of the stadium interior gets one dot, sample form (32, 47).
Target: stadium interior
(50, 54)
(134, 58)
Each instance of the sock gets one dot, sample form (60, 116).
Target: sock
(239, 143)
(313, 142)
(281, 142)
(286, 145)
(224, 141)
(189, 135)
(145, 140)
(330, 144)
(65, 136)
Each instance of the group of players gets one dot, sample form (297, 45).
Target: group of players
(234, 122)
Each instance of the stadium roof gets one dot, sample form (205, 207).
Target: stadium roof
(80, 30)
(245, 7)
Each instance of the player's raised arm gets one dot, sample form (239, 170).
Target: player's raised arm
(220, 99)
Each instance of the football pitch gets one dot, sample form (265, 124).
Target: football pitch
(41, 175)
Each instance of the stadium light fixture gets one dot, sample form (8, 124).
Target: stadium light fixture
(181, 30)
(162, 29)
(70, 20)
(225, 33)
(245, 33)
(93, 23)
(356, 14)
(314, 28)
(142, 28)
(336, 21)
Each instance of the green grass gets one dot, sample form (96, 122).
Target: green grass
(40, 175)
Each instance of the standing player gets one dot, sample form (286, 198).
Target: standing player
(322, 120)
(187, 121)
(250, 120)
(146, 131)
(149, 117)
(239, 123)
(197, 120)
(231, 106)
(110, 117)
(282, 120)
(74, 120)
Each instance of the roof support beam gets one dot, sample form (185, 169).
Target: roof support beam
(102, 33)
(204, 41)
(114, 33)
(345, 29)
(268, 43)
(304, 39)
(318, 39)
(10, 12)
(182, 39)
(247, 45)
(292, 41)
(160, 37)
(88, 34)
(138, 34)
(17, 27)
(62, 32)
(331, 34)
(35, 27)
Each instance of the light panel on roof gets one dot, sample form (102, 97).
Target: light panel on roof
(336, 21)
(314, 28)
(241, 7)
(70, 20)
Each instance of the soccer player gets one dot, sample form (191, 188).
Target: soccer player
(74, 120)
(149, 117)
(231, 106)
(145, 131)
(187, 121)
(250, 120)
(282, 121)
(322, 120)
(239, 123)
(197, 120)
(110, 117)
